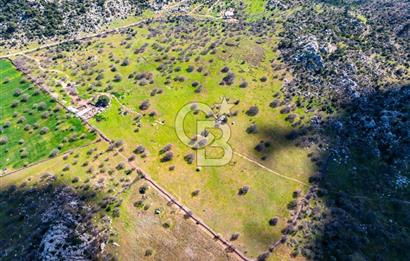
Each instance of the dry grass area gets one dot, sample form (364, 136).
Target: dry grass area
(144, 235)
(154, 231)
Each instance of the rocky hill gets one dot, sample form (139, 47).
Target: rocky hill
(24, 20)
(54, 223)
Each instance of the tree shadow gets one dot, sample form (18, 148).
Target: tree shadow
(361, 195)
(47, 220)
(271, 140)
(358, 206)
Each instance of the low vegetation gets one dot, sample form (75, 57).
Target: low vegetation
(33, 125)
(314, 94)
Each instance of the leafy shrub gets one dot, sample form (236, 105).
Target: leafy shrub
(117, 78)
(3, 140)
(54, 153)
(102, 101)
(167, 157)
(43, 130)
(273, 221)
(144, 105)
(252, 111)
(242, 191)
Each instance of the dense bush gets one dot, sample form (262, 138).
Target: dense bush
(102, 101)
(26, 20)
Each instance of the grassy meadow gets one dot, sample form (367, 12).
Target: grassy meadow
(93, 172)
(32, 125)
(170, 66)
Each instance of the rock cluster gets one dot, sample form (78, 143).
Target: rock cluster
(336, 55)
(54, 223)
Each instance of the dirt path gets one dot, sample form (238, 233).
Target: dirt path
(45, 69)
(270, 170)
(74, 97)
(99, 34)
(236, 153)
(90, 36)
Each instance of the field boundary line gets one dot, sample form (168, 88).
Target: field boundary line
(48, 159)
(170, 198)
(162, 192)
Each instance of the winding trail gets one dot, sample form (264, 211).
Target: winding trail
(270, 170)
(167, 196)
(45, 69)
(106, 32)
(236, 153)
(94, 35)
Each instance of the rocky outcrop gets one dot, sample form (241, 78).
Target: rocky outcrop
(55, 223)
(70, 234)
(308, 55)
(24, 20)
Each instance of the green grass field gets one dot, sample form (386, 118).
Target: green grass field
(288, 180)
(164, 63)
(32, 124)
(255, 7)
